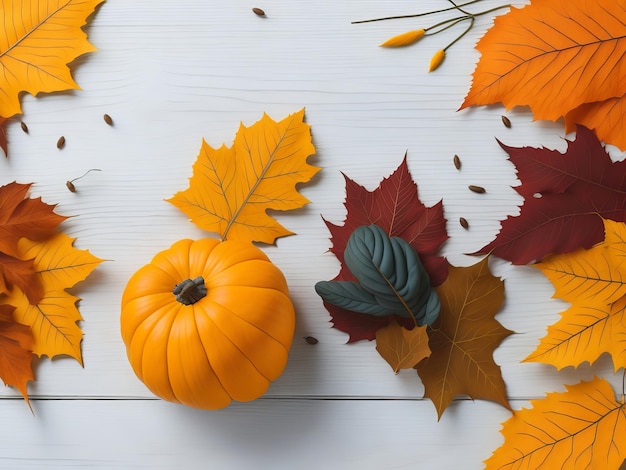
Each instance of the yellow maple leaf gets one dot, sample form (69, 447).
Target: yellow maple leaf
(584, 427)
(527, 59)
(38, 41)
(402, 348)
(54, 318)
(594, 282)
(231, 188)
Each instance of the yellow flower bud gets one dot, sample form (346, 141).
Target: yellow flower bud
(437, 59)
(404, 39)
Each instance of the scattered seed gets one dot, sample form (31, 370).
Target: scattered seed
(24, 126)
(258, 12)
(457, 162)
(463, 222)
(476, 189)
(311, 340)
(70, 184)
(506, 121)
(108, 119)
(61, 142)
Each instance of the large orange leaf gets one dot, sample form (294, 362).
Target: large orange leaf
(593, 281)
(464, 337)
(38, 41)
(232, 188)
(16, 355)
(553, 56)
(584, 427)
(606, 118)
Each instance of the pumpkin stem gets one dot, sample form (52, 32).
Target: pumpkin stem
(190, 290)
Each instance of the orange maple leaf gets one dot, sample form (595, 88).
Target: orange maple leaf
(606, 118)
(402, 348)
(553, 56)
(584, 427)
(231, 188)
(593, 281)
(464, 337)
(38, 41)
(16, 355)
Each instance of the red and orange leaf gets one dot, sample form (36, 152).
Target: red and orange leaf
(553, 56)
(606, 118)
(565, 197)
(464, 337)
(396, 208)
(400, 347)
(16, 351)
(20, 273)
(584, 427)
(232, 188)
(39, 40)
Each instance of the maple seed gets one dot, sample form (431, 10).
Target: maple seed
(311, 340)
(506, 121)
(258, 12)
(457, 162)
(61, 142)
(463, 222)
(476, 189)
(70, 184)
(108, 119)
(24, 127)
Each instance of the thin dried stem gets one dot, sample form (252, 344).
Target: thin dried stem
(418, 14)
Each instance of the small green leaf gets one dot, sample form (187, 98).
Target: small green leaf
(391, 279)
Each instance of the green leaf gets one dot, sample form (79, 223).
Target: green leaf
(391, 279)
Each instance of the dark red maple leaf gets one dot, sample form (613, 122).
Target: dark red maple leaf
(395, 207)
(564, 196)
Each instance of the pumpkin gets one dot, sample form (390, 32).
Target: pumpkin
(207, 322)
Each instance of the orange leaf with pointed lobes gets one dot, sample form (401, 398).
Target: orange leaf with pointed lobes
(16, 351)
(404, 39)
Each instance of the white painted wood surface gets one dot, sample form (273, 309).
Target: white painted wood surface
(172, 73)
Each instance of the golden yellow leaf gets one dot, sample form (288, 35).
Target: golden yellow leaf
(38, 41)
(402, 348)
(584, 427)
(553, 56)
(232, 188)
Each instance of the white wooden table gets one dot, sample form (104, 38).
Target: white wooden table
(172, 73)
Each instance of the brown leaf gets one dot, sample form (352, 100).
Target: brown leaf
(16, 351)
(464, 337)
(400, 347)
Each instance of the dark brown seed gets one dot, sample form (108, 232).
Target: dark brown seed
(311, 340)
(70, 186)
(24, 126)
(506, 121)
(476, 189)
(457, 162)
(108, 119)
(463, 222)
(61, 142)
(258, 11)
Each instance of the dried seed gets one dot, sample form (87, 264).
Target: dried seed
(70, 186)
(258, 12)
(476, 189)
(457, 162)
(463, 222)
(24, 126)
(311, 340)
(61, 142)
(506, 121)
(108, 119)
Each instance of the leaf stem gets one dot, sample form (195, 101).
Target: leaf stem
(417, 14)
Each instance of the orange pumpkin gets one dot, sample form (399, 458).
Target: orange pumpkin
(207, 322)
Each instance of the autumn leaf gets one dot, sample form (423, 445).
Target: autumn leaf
(22, 217)
(583, 427)
(527, 59)
(3, 136)
(593, 281)
(606, 118)
(396, 208)
(232, 187)
(39, 40)
(464, 337)
(16, 344)
(566, 195)
(54, 318)
(400, 347)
